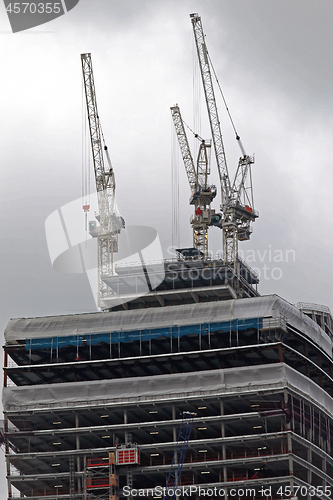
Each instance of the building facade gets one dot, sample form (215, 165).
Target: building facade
(256, 371)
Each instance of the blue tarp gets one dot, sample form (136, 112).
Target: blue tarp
(143, 335)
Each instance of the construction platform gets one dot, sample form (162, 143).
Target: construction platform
(186, 280)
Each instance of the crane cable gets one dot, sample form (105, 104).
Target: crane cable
(85, 158)
(105, 148)
(226, 106)
(175, 230)
(110, 174)
(197, 136)
(196, 95)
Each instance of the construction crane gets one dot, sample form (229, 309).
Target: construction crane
(237, 197)
(109, 221)
(179, 455)
(202, 193)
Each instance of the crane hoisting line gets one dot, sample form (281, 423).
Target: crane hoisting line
(85, 168)
(108, 159)
(226, 107)
(197, 136)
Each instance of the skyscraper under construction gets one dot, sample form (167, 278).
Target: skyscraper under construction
(93, 402)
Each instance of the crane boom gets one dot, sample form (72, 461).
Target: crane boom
(105, 181)
(110, 222)
(211, 108)
(184, 147)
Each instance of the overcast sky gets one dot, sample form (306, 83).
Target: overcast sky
(274, 62)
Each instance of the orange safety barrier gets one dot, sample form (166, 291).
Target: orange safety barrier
(95, 462)
(98, 482)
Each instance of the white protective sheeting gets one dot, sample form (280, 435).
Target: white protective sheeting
(165, 387)
(270, 306)
(142, 388)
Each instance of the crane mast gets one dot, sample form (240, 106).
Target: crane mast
(110, 222)
(237, 197)
(202, 193)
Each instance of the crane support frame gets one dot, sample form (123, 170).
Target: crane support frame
(241, 193)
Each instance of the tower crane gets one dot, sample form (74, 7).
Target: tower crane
(237, 197)
(110, 222)
(202, 193)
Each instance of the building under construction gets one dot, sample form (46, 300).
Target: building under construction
(93, 403)
(84, 393)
